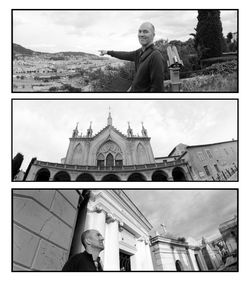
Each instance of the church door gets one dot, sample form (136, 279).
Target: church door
(125, 262)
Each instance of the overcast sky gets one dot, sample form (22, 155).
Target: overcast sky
(41, 128)
(186, 213)
(90, 31)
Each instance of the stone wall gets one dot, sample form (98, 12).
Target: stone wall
(43, 227)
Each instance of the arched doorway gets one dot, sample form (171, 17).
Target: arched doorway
(109, 160)
(85, 177)
(62, 176)
(178, 174)
(178, 265)
(136, 177)
(159, 176)
(43, 175)
(111, 177)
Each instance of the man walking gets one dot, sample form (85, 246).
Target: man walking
(148, 62)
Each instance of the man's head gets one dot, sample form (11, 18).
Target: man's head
(146, 34)
(92, 239)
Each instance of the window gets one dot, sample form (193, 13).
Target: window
(100, 160)
(207, 170)
(109, 160)
(201, 156)
(209, 154)
(118, 160)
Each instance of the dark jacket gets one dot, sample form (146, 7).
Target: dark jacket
(148, 66)
(81, 262)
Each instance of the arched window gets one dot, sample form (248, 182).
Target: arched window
(136, 177)
(109, 160)
(109, 154)
(159, 176)
(178, 174)
(62, 176)
(178, 266)
(118, 160)
(100, 160)
(43, 175)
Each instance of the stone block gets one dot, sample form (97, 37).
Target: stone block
(44, 196)
(36, 218)
(58, 232)
(49, 257)
(63, 209)
(24, 246)
(71, 195)
(16, 267)
(30, 214)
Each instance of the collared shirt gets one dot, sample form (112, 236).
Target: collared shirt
(82, 262)
(149, 68)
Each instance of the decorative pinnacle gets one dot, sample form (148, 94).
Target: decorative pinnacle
(109, 118)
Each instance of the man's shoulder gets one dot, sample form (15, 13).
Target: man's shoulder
(75, 262)
(156, 52)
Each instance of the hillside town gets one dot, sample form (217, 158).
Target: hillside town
(64, 71)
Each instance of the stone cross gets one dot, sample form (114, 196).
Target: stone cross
(164, 227)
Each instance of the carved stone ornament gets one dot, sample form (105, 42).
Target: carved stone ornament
(109, 218)
(110, 147)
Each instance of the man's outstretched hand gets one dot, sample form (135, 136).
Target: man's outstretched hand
(103, 52)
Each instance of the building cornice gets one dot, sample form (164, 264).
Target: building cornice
(114, 169)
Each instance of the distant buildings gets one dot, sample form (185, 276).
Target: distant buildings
(216, 161)
(41, 72)
(217, 254)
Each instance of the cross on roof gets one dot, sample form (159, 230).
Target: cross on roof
(164, 227)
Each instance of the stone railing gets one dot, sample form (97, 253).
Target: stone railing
(111, 168)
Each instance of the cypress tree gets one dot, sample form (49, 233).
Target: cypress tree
(208, 37)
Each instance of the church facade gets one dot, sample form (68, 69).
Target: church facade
(109, 155)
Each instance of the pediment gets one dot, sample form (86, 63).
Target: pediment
(109, 133)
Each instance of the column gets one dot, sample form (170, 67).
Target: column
(149, 262)
(138, 259)
(111, 250)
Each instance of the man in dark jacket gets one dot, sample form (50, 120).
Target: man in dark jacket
(89, 260)
(148, 62)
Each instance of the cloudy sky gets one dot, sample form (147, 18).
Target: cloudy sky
(41, 128)
(90, 31)
(186, 213)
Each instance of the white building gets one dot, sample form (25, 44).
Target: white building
(47, 225)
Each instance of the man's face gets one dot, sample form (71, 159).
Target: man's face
(146, 34)
(96, 240)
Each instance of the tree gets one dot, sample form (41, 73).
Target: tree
(16, 164)
(208, 37)
(229, 37)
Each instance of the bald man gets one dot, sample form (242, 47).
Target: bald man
(89, 260)
(148, 62)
